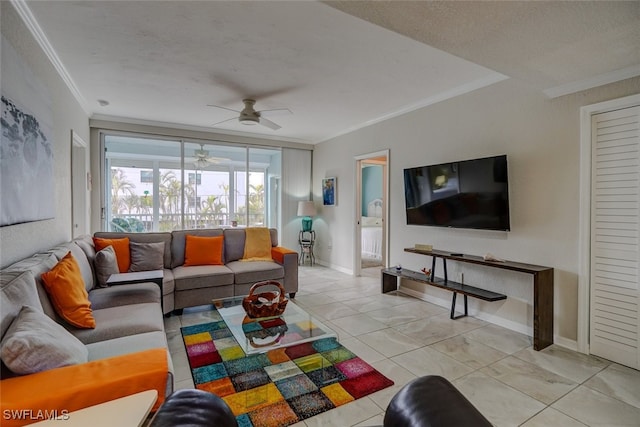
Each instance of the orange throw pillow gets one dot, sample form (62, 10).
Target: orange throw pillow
(120, 246)
(65, 286)
(201, 250)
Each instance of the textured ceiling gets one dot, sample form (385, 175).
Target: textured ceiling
(337, 66)
(544, 43)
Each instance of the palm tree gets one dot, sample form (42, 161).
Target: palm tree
(170, 200)
(120, 188)
(170, 192)
(131, 202)
(213, 208)
(256, 202)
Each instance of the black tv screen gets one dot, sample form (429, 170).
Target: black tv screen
(465, 194)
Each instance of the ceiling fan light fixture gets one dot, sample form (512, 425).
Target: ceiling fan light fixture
(201, 163)
(249, 121)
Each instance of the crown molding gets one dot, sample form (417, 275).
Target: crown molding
(32, 24)
(105, 121)
(442, 96)
(591, 82)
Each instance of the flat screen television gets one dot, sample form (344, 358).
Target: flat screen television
(464, 194)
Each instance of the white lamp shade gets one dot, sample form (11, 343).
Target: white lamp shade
(306, 208)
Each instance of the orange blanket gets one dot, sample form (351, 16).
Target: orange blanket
(257, 244)
(278, 253)
(30, 398)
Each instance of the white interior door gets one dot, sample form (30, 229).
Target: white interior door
(80, 212)
(615, 244)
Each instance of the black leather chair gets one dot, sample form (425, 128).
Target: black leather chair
(193, 408)
(432, 401)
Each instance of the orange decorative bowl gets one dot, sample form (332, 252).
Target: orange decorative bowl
(267, 303)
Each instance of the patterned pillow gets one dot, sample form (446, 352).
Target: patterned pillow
(34, 343)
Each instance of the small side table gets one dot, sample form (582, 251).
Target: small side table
(306, 239)
(128, 411)
(154, 276)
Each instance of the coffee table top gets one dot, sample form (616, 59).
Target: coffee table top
(294, 326)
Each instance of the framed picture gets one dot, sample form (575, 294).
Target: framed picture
(329, 191)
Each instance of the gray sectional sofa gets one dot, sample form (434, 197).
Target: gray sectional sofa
(129, 318)
(189, 286)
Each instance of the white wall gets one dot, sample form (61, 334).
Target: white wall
(541, 139)
(22, 240)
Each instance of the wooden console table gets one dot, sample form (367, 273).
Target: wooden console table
(542, 287)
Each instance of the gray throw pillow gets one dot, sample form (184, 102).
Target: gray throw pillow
(146, 256)
(34, 342)
(105, 264)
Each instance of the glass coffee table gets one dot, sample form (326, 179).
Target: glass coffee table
(294, 326)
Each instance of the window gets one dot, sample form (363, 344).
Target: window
(164, 185)
(195, 178)
(146, 176)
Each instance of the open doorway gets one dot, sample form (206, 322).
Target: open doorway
(371, 212)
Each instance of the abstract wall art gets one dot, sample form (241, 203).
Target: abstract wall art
(26, 167)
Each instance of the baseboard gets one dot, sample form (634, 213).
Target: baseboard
(335, 267)
(446, 303)
(566, 343)
(517, 327)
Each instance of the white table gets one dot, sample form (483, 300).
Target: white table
(128, 411)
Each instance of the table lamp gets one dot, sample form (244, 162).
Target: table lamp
(306, 209)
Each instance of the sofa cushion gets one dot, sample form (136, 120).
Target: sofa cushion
(36, 265)
(34, 343)
(201, 276)
(203, 250)
(66, 288)
(120, 246)
(105, 264)
(86, 269)
(179, 241)
(151, 237)
(234, 244)
(121, 321)
(85, 243)
(257, 271)
(146, 256)
(257, 244)
(234, 239)
(124, 345)
(17, 288)
(117, 295)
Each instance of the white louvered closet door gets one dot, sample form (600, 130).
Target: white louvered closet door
(615, 244)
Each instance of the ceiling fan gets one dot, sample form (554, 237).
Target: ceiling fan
(203, 160)
(249, 116)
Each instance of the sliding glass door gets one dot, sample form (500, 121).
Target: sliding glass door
(162, 185)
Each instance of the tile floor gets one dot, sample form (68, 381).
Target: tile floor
(495, 368)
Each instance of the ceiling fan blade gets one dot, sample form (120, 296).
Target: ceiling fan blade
(275, 112)
(268, 123)
(224, 121)
(224, 108)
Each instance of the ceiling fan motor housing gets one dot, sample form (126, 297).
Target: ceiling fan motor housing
(249, 116)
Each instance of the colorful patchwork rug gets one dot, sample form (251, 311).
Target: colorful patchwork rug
(280, 387)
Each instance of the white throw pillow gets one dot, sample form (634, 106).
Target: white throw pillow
(34, 342)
